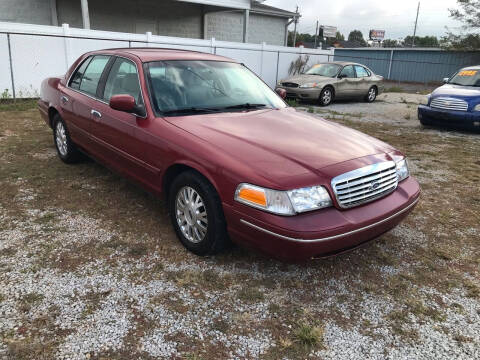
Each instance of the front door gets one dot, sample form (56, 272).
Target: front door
(116, 131)
(347, 85)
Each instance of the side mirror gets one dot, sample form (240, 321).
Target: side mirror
(126, 103)
(445, 80)
(342, 76)
(282, 93)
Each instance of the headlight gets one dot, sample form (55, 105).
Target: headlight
(309, 85)
(402, 169)
(283, 202)
(477, 107)
(425, 100)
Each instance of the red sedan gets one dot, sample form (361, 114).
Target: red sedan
(232, 160)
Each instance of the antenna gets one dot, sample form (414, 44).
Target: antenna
(415, 28)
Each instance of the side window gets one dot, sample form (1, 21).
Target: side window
(361, 71)
(92, 74)
(123, 79)
(348, 71)
(77, 77)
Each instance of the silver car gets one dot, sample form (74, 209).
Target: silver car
(333, 80)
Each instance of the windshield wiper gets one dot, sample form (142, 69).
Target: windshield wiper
(246, 106)
(190, 110)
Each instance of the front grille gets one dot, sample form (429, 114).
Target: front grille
(365, 184)
(449, 104)
(290, 85)
(291, 95)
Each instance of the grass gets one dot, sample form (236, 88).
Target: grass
(308, 335)
(292, 102)
(18, 105)
(395, 89)
(435, 248)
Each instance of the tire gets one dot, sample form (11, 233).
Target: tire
(66, 149)
(203, 234)
(425, 122)
(371, 95)
(326, 96)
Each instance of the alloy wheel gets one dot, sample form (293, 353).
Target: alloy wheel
(191, 214)
(61, 138)
(326, 97)
(372, 94)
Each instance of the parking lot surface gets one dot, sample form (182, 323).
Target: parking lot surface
(90, 267)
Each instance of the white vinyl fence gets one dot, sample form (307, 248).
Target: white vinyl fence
(30, 53)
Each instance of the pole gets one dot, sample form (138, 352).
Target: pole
(415, 28)
(295, 29)
(316, 35)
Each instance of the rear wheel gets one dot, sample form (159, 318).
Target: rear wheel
(371, 95)
(326, 96)
(66, 149)
(197, 215)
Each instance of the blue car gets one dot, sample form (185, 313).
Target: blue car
(456, 103)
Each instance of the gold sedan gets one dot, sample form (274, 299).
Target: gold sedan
(333, 80)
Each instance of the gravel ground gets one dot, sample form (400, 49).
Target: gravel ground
(81, 283)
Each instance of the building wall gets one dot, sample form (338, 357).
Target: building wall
(228, 26)
(417, 65)
(26, 11)
(139, 16)
(269, 29)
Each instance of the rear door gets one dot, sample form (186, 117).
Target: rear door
(347, 86)
(80, 97)
(365, 79)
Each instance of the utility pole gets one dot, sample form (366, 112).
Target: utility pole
(316, 35)
(415, 28)
(295, 28)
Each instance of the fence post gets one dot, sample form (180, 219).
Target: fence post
(149, 38)
(390, 65)
(11, 67)
(66, 40)
(278, 64)
(213, 48)
(261, 58)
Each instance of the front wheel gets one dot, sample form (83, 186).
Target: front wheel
(197, 215)
(66, 149)
(326, 96)
(371, 95)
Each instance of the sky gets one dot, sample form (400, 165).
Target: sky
(396, 17)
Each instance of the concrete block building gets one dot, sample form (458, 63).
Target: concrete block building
(229, 20)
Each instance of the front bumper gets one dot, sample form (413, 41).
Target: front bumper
(461, 119)
(324, 232)
(301, 93)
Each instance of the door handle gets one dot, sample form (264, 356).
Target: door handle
(64, 99)
(96, 113)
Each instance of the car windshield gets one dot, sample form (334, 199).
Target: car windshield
(190, 87)
(329, 70)
(466, 77)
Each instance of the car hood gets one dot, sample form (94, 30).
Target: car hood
(281, 143)
(449, 90)
(305, 79)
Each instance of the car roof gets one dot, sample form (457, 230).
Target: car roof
(474, 67)
(159, 54)
(343, 63)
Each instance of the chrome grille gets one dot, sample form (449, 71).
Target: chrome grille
(365, 184)
(449, 104)
(290, 85)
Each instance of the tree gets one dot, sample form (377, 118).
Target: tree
(425, 41)
(338, 37)
(301, 38)
(356, 35)
(469, 15)
(389, 43)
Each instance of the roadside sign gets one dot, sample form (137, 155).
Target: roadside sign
(329, 31)
(377, 35)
